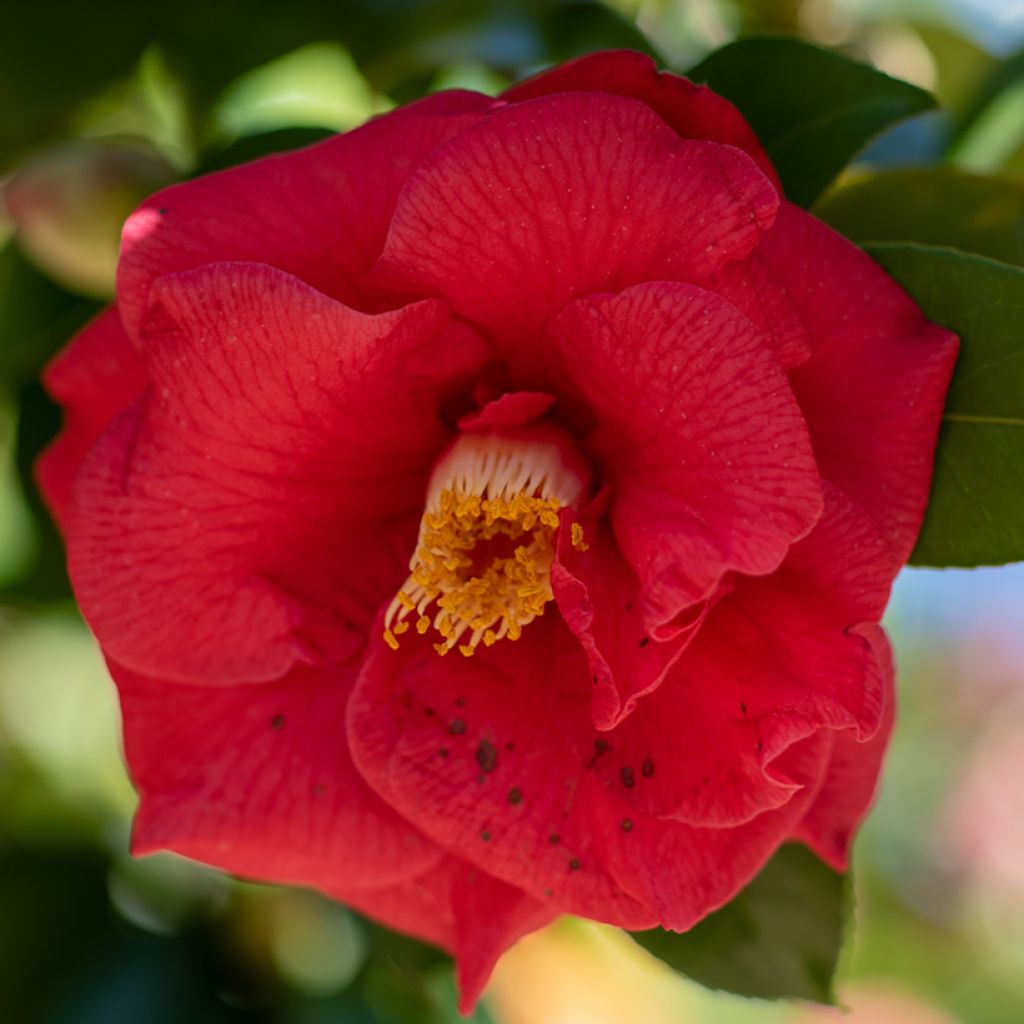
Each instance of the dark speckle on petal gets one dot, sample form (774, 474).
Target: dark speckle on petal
(647, 768)
(277, 722)
(486, 756)
(574, 864)
(457, 727)
(626, 774)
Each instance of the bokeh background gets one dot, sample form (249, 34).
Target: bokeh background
(101, 104)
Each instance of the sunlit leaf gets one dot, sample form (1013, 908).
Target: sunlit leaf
(935, 205)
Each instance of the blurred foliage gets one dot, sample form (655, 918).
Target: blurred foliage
(100, 104)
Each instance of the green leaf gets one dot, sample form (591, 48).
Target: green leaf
(779, 938)
(937, 205)
(813, 110)
(974, 514)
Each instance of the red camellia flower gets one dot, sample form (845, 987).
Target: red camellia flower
(487, 514)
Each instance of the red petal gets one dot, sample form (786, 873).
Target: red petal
(693, 111)
(257, 780)
(850, 783)
(460, 908)
(699, 435)
(319, 213)
(493, 773)
(566, 195)
(257, 505)
(514, 409)
(96, 377)
(600, 599)
(873, 389)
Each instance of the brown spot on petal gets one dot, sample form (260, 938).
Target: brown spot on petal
(486, 756)
(647, 768)
(574, 864)
(277, 722)
(626, 774)
(644, 641)
(554, 839)
(485, 836)
(457, 727)
(515, 795)
(626, 825)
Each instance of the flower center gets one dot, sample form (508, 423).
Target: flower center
(482, 566)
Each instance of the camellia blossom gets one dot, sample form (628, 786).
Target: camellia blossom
(487, 514)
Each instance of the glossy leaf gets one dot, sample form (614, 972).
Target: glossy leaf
(937, 206)
(779, 938)
(812, 109)
(974, 513)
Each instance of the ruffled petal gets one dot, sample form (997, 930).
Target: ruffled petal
(831, 821)
(96, 377)
(256, 506)
(600, 598)
(873, 383)
(319, 213)
(698, 434)
(495, 774)
(693, 111)
(562, 196)
(257, 780)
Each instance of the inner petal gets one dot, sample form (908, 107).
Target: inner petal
(481, 570)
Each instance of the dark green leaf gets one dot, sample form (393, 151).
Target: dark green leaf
(974, 514)
(812, 109)
(779, 938)
(937, 206)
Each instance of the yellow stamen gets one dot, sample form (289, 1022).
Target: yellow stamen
(483, 558)
(577, 538)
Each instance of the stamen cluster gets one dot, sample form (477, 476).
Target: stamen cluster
(482, 563)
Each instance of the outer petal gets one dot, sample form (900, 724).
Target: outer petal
(96, 377)
(257, 780)
(562, 196)
(498, 779)
(874, 386)
(693, 111)
(319, 213)
(699, 435)
(460, 908)
(256, 506)
(850, 784)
